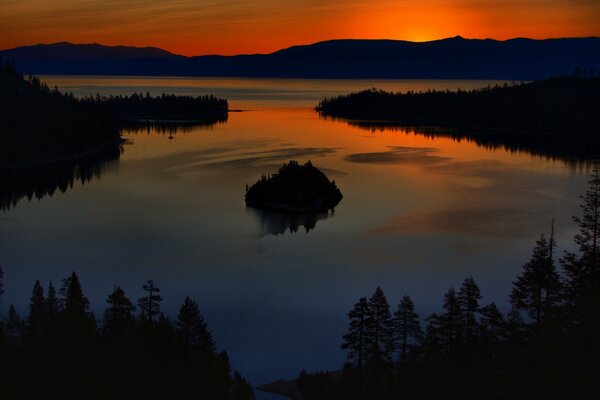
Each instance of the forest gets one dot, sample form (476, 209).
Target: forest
(544, 347)
(562, 106)
(60, 350)
(40, 124)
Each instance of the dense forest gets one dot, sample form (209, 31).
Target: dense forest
(545, 347)
(40, 124)
(59, 350)
(568, 106)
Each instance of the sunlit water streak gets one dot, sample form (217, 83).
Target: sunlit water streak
(419, 214)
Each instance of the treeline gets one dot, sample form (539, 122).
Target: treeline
(545, 347)
(138, 107)
(560, 106)
(59, 350)
(40, 124)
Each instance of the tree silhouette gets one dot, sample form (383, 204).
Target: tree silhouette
(537, 289)
(468, 302)
(149, 304)
(240, 388)
(452, 320)
(1, 282)
(582, 270)
(14, 324)
(407, 327)
(356, 340)
(380, 330)
(193, 332)
(36, 320)
(77, 321)
(118, 317)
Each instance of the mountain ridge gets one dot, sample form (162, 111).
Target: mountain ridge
(448, 58)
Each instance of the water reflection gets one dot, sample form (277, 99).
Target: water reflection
(38, 181)
(173, 126)
(273, 223)
(575, 150)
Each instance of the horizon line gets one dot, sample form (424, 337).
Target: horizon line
(297, 45)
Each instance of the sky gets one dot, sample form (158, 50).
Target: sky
(198, 27)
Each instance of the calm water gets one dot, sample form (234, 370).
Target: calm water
(418, 215)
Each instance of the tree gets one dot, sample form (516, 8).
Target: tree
(240, 388)
(537, 289)
(468, 302)
(355, 340)
(77, 320)
(193, 331)
(380, 330)
(1, 282)
(52, 303)
(407, 327)
(36, 320)
(582, 284)
(149, 304)
(118, 317)
(492, 323)
(14, 324)
(451, 321)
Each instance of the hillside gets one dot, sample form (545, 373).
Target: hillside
(452, 58)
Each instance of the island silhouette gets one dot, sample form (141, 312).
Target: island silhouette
(294, 189)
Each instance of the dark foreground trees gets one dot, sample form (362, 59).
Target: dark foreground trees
(57, 351)
(545, 347)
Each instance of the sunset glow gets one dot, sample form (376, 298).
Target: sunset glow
(233, 26)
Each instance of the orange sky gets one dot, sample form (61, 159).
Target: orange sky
(195, 27)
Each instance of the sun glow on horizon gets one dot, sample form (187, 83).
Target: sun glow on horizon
(263, 26)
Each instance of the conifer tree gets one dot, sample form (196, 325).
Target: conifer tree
(537, 289)
(14, 324)
(193, 331)
(380, 330)
(78, 322)
(118, 317)
(52, 303)
(407, 327)
(240, 388)
(492, 323)
(149, 304)
(36, 320)
(468, 302)
(582, 284)
(451, 321)
(356, 340)
(1, 282)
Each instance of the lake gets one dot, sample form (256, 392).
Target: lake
(419, 214)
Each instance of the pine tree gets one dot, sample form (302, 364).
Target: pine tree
(1, 282)
(356, 341)
(451, 321)
(240, 388)
(77, 320)
(14, 324)
(149, 304)
(468, 302)
(36, 320)
(193, 331)
(380, 330)
(582, 285)
(492, 323)
(118, 317)
(537, 289)
(52, 303)
(407, 327)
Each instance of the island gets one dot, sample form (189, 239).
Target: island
(295, 189)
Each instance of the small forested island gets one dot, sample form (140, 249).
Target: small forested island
(567, 106)
(41, 125)
(294, 188)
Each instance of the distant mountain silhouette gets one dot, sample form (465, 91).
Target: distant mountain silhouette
(452, 58)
